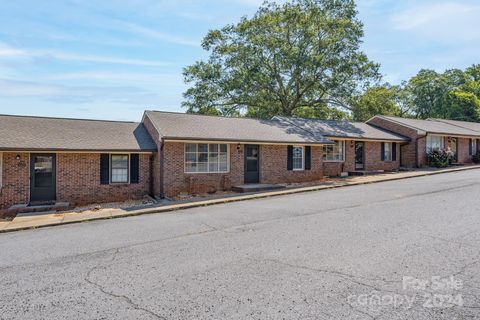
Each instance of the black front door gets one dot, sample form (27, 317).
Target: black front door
(252, 171)
(359, 156)
(42, 177)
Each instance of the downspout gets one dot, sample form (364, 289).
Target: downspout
(161, 153)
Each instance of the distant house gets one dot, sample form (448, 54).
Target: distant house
(460, 137)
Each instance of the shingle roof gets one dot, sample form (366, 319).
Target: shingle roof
(344, 129)
(39, 133)
(474, 126)
(430, 126)
(182, 126)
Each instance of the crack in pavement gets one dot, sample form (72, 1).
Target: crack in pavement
(118, 296)
(346, 276)
(249, 224)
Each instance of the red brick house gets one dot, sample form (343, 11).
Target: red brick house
(358, 147)
(425, 135)
(199, 153)
(206, 153)
(45, 160)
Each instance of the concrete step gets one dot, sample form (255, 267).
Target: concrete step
(257, 187)
(365, 172)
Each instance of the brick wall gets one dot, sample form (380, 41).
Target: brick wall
(78, 180)
(335, 168)
(15, 180)
(408, 151)
(464, 150)
(372, 160)
(273, 165)
(176, 181)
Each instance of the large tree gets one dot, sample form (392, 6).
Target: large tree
(378, 100)
(298, 58)
(454, 94)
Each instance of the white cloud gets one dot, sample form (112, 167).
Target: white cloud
(443, 21)
(130, 77)
(155, 34)
(8, 51)
(75, 94)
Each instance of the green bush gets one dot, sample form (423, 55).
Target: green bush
(440, 158)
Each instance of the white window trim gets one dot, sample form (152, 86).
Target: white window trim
(128, 168)
(208, 166)
(430, 136)
(303, 159)
(343, 152)
(387, 157)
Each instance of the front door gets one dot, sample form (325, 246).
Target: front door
(452, 146)
(42, 177)
(252, 163)
(359, 156)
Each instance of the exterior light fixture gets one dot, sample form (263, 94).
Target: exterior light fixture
(17, 157)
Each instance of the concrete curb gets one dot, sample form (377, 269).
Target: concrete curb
(175, 207)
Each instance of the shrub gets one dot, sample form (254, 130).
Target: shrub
(440, 158)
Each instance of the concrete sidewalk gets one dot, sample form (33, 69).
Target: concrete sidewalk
(31, 221)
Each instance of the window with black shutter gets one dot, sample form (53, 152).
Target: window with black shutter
(308, 158)
(134, 168)
(290, 158)
(104, 168)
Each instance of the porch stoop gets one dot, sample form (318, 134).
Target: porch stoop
(257, 187)
(25, 209)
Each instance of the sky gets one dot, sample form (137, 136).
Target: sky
(113, 59)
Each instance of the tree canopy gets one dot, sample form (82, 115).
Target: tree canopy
(300, 58)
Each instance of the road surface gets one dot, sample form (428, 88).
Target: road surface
(406, 249)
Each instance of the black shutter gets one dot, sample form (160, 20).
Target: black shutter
(104, 168)
(308, 158)
(290, 158)
(394, 151)
(470, 147)
(382, 151)
(134, 168)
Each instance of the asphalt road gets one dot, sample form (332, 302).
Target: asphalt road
(348, 253)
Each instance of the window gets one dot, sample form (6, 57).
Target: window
(473, 148)
(387, 151)
(334, 152)
(434, 143)
(119, 171)
(205, 157)
(298, 155)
